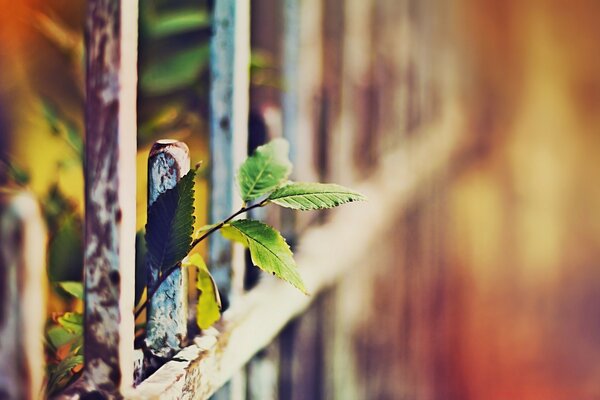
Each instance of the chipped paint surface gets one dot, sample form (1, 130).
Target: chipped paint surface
(109, 206)
(229, 54)
(166, 329)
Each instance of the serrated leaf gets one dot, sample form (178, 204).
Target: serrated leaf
(266, 169)
(313, 196)
(174, 72)
(171, 224)
(72, 322)
(208, 309)
(269, 251)
(75, 289)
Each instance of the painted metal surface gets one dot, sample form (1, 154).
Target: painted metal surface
(22, 296)
(166, 327)
(109, 260)
(230, 55)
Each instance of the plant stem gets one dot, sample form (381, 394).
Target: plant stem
(164, 276)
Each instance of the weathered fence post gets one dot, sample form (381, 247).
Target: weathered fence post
(229, 98)
(22, 296)
(230, 61)
(166, 326)
(110, 209)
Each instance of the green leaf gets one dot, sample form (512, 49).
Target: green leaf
(176, 22)
(171, 224)
(268, 250)
(57, 374)
(140, 264)
(176, 71)
(265, 170)
(75, 289)
(208, 310)
(59, 336)
(313, 196)
(72, 322)
(65, 252)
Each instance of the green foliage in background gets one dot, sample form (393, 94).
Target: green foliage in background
(64, 343)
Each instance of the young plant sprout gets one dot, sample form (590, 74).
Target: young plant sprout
(262, 180)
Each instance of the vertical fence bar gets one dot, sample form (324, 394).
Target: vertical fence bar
(166, 327)
(22, 296)
(229, 98)
(230, 57)
(109, 261)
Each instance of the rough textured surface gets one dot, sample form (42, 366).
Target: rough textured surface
(22, 296)
(230, 55)
(166, 328)
(110, 193)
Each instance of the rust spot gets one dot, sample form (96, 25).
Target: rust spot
(118, 215)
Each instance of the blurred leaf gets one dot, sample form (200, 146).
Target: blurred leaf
(266, 169)
(175, 22)
(63, 128)
(73, 288)
(313, 196)
(140, 264)
(14, 173)
(174, 71)
(72, 322)
(59, 336)
(171, 224)
(268, 250)
(168, 115)
(60, 373)
(208, 310)
(65, 253)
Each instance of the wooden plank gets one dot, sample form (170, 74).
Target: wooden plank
(22, 296)
(166, 322)
(110, 211)
(256, 319)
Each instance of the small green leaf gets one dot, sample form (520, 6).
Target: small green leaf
(265, 170)
(171, 224)
(174, 72)
(268, 250)
(72, 322)
(313, 196)
(73, 288)
(59, 336)
(208, 310)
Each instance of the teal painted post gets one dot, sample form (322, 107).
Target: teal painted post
(229, 67)
(229, 92)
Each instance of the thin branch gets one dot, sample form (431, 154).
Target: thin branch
(163, 277)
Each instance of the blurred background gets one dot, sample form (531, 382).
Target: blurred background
(486, 287)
